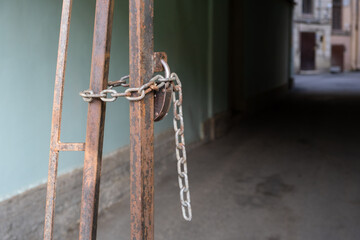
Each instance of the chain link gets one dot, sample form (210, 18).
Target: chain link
(122, 82)
(131, 94)
(180, 149)
(137, 94)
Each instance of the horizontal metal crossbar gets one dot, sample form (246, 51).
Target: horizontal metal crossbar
(74, 147)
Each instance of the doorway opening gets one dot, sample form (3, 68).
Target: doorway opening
(308, 44)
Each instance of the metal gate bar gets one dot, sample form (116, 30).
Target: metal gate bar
(95, 120)
(143, 63)
(55, 144)
(141, 122)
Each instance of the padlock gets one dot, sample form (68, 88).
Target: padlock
(162, 101)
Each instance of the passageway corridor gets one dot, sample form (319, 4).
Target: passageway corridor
(291, 172)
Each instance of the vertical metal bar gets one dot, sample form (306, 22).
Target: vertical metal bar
(95, 120)
(56, 118)
(141, 122)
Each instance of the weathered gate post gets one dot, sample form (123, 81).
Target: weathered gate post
(141, 122)
(95, 120)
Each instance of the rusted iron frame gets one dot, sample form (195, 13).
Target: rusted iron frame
(141, 121)
(143, 63)
(95, 120)
(55, 144)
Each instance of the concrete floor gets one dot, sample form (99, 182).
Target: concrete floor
(289, 173)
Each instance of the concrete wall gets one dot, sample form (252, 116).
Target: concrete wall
(28, 48)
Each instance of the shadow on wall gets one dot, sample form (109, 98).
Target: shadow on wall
(260, 52)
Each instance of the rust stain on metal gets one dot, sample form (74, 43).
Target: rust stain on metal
(141, 122)
(56, 119)
(70, 147)
(158, 67)
(95, 120)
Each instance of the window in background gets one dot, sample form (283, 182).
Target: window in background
(337, 16)
(307, 6)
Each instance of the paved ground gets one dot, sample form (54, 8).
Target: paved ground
(289, 173)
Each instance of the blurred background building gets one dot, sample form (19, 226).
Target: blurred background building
(326, 36)
(312, 36)
(345, 36)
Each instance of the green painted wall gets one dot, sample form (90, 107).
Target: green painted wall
(218, 60)
(28, 49)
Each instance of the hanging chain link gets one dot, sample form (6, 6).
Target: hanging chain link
(178, 121)
(155, 84)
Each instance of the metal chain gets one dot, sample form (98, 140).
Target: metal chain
(131, 94)
(178, 121)
(155, 84)
(122, 82)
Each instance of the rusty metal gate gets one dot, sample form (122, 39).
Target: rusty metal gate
(150, 99)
